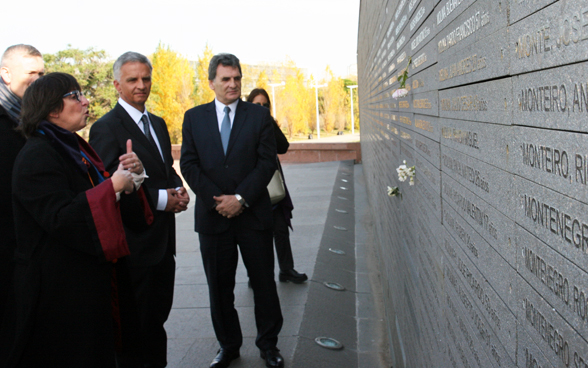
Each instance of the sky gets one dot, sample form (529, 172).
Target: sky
(313, 33)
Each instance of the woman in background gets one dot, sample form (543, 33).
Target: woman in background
(69, 228)
(282, 211)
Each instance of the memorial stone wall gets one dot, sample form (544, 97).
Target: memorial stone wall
(485, 259)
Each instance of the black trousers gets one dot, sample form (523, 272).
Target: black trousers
(282, 240)
(220, 255)
(146, 297)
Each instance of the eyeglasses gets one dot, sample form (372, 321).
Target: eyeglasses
(76, 94)
(266, 105)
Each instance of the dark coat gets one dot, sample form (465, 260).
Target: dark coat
(11, 142)
(246, 169)
(108, 137)
(62, 279)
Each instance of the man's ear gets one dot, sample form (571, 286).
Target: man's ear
(6, 76)
(211, 84)
(116, 85)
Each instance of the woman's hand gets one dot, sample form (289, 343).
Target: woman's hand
(130, 160)
(122, 180)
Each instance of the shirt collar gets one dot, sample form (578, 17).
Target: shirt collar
(132, 111)
(220, 107)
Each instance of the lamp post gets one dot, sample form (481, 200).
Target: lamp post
(318, 127)
(274, 96)
(352, 117)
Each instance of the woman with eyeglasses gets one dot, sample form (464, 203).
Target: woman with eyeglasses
(282, 210)
(69, 225)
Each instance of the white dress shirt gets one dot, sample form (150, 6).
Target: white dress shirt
(220, 112)
(136, 115)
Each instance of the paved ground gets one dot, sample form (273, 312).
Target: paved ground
(313, 187)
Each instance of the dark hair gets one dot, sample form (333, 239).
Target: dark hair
(259, 91)
(225, 60)
(129, 57)
(42, 97)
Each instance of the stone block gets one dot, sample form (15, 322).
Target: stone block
(561, 283)
(483, 180)
(520, 9)
(484, 142)
(553, 99)
(556, 35)
(528, 353)
(489, 266)
(499, 343)
(481, 19)
(423, 81)
(424, 57)
(558, 220)
(483, 60)
(559, 342)
(558, 160)
(489, 102)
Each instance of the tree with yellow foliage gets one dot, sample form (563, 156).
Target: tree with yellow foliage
(262, 81)
(295, 102)
(335, 102)
(171, 89)
(203, 92)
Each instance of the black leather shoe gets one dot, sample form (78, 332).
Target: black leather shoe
(223, 358)
(293, 276)
(272, 357)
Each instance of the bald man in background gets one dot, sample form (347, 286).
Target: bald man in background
(20, 66)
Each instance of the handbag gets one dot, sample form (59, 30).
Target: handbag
(276, 188)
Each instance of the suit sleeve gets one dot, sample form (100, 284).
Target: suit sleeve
(104, 142)
(281, 140)
(191, 168)
(254, 186)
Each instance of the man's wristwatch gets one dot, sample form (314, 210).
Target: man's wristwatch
(240, 199)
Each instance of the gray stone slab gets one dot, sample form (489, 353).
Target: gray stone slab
(424, 81)
(428, 126)
(446, 11)
(559, 341)
(484, 102)
(561, 283)
(458, 294)
(553, 99)
(488, 274)
(520, 9)
(470, 350)
(483, 60)
(556, 35)
(424, 57)
(424, 34)
(528, 353)
(484, 142)
(418, 16)
(425, 103)
(559, 221)
(490, 183)
(494, 227)
(429, 149)
(558, 160)
(481, 19)
(428, 172)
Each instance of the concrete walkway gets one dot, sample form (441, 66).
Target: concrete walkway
(350, 315)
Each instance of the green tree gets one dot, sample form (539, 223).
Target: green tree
(93, 70)
(203, 92)
(171, 89)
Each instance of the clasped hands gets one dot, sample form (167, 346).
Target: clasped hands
(177, 200)
(122, 180)
(228, 206)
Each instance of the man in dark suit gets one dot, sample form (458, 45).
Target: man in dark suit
(151, 265)
(228, 159)
(20, 66)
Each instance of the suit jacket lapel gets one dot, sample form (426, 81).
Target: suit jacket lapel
(138, 134)
(238, 124)
(212, 125)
